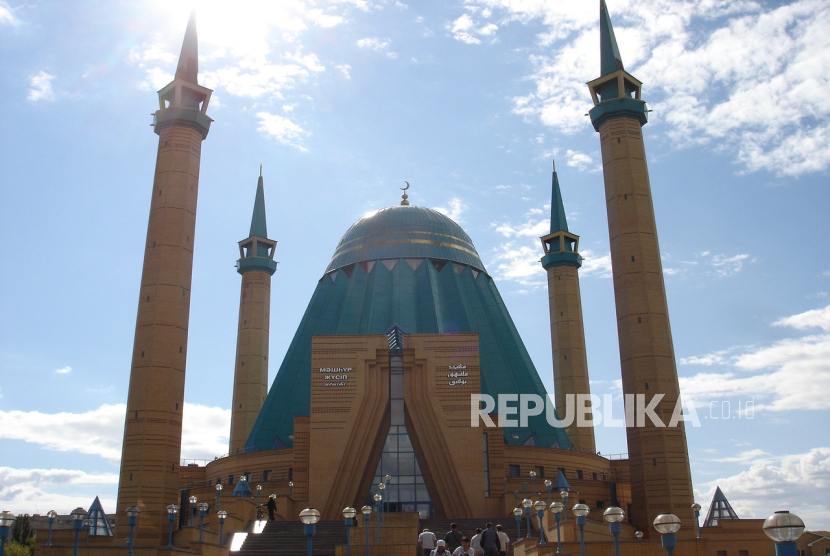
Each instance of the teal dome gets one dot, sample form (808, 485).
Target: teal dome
(405, 232)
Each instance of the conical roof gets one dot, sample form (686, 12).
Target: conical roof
(720, 508)
(414, 267)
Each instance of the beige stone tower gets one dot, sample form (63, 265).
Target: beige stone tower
(658, 457)
(567, 334)
(250, 380)
(151, 451)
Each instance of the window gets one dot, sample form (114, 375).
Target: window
(594, 476)
(579, 474)
(514, 470)
(266, 475)
(230, 479)
(540, 472)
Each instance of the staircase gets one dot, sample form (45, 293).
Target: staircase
(288, 538)
(468, 526)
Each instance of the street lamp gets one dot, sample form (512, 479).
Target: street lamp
(581, 512)
(696, 510)
(548, 485)
(291, 489)
(526, 504)
(258, 494)
(78, 515)
(366, 511)
(6, 521)
(309, 517)
(517, 512)
(639, 535)
(222, 515)
(203, 508)
(378, 500)
(382, 487)
(564, 494)
(349, 513)
(532, 482)
(87, 527)
(388, 480)
(132, 515)
(51, 514)
(557, 508)
(784, 528)
(614, 515)
(667, 525)
(540, 506)
(172, 510)
(192, 501)
(219, 488)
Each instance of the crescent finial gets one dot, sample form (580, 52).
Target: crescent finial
(405, 197)
(405, 188)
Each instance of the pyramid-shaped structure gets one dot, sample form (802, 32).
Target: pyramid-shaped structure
(414, 267)
(720, 508)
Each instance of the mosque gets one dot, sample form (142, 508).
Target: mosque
(381, 398)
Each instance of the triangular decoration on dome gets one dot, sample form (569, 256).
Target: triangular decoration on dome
(367, 266)
(414, 263)
(438, 264)
(720, 508)
(475, 273)
(390, 264)
(332, 275)
(458, 268)
(349, 270)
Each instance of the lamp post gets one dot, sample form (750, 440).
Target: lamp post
(366, 511)
(291, 489)
(78, 515)
(348, 514)
(309, 517)
(667, 525)
(172, 510)
(6, 521)
(388, 480)
(541, 506)
(581, 512)
(219, 492)
(203, 508)
(532, 483)
(564, 494)
(548, 485)
(258, 495)
(132, 515)
(87, 527)
(784, 528)
(51, 514)
(526, 504)
(517, 513)
(382, 487)
(378, 500)
(524, 489)
(557, 508)
(222, 515)
(614, 515)
(639, 535)
(192, 501)
(696, 510)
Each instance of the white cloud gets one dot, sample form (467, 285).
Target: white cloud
(729, 266)
(6, 15)
(796, 482)
(282, 129)
(100, 431)
(454, 211)
(788, 374)
(580, 161)
(64, 370)
(41, 490)
(41, 87)
(465, 29)
(763, 102)
(345, 70)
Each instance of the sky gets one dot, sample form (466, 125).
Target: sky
(469, 101)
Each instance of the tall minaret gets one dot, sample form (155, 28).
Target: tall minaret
(567, 335)
(151, 451)
(250, 380)
(658, 457)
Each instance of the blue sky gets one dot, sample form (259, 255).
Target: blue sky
(468, 101)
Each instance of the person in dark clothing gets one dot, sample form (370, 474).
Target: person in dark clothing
(453, 537)
(490, 541)
(272, 508)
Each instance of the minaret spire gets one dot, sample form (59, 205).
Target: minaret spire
(567, 332)
(610, 59)
(250, 381)
(188, 66)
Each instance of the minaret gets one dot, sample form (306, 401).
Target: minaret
(151, 451)
(567, 335)
(250, 380)
(658, 457)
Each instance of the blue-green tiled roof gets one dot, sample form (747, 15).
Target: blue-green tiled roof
(416, 268)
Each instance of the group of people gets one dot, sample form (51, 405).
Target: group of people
(487, 542)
